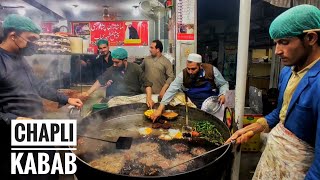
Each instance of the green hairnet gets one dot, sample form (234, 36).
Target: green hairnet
(20, 23)
(119, 53)
(102, 41)
(294, 21)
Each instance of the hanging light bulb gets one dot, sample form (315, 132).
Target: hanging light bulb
(106, 12)
(135, 11)
(76, 9)
(22, 11)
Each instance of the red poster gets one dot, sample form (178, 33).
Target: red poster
(118, 33)
(185, 32)
(47, 27)
(185, 36)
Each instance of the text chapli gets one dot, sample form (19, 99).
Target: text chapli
(43, 133)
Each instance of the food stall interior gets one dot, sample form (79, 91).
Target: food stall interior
(70, 30)
(66, 61)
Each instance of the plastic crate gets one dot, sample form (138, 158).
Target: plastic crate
(254, 144)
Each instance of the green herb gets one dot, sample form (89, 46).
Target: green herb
(209, 131)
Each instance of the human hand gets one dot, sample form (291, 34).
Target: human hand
(243, 135)
(109, 83)
(150, 103)
(155, 115)
(76, 102)
(222, 99)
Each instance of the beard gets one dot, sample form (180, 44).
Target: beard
(121, 68)
(194, 76)
(303, 59)
(153, 55)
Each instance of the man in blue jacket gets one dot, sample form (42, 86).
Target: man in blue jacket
(293, 147)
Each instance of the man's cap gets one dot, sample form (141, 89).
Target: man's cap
(295, 21)
(20, 23)
(102, 41)
(119, 53)
(195, 58)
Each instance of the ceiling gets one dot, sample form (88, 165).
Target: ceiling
(29, 8)
(49, 10)
(91, 10)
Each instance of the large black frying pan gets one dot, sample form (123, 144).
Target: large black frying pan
(124, 120)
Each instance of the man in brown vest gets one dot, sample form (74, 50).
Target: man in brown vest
(198, 81)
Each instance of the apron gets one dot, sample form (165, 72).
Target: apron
(200, 93)
(285, 157)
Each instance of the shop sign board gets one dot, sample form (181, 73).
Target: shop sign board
(118, 33)
(185, 19)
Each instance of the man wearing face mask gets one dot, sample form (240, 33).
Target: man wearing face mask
(21, 92)
(123, 78)
(198, 81)
(103, 60)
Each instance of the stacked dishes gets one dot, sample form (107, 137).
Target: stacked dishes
(53, 44)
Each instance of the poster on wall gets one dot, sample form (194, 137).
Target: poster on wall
(81, 29)
(47, 27)
(185, 19)
(185, 50)
(118, 33)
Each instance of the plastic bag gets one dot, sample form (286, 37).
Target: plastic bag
(255, 100)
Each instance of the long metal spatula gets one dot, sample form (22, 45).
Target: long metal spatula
(186, 128)
(121, 143)
(196, 157)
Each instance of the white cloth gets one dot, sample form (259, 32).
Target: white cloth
(285, 157)
(122, 100)
(179, 99)
(195, 57)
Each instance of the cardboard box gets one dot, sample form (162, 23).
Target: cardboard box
(254, 144)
